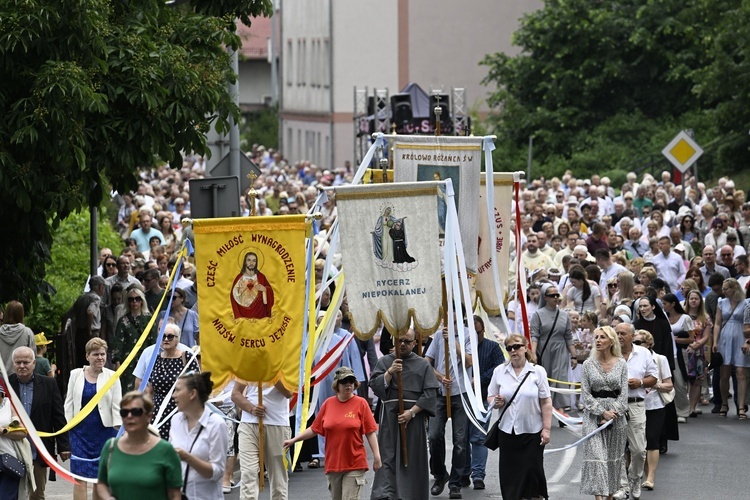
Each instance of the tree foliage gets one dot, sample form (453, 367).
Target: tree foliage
(70, 267)
(91, 91)
(601, 84)
(260, 127)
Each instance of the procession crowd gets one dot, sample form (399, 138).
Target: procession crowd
(638, 296)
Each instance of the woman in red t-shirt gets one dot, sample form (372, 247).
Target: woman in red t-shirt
(343, 420)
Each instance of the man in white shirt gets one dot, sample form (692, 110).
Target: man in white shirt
(275, 414)
(668, 264)
(642, 374)
(533, 259)
(570, 242)
(609, 269)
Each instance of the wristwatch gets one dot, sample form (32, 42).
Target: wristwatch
(411, 412)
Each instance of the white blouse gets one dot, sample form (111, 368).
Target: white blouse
(524, 416)
(653, 400)
(210, 446)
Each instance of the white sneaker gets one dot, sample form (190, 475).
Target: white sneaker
(635, 489)
(681, 420)
(620, 494)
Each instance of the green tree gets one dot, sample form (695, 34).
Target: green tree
(601, 84)
(91, 91)
(260, 127)
(69, 268)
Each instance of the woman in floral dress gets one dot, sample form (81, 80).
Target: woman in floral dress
(604, 390)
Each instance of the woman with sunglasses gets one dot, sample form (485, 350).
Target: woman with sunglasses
(170, 364)
(199, 437)
(109, 266)
(129, 329)
(185, 318)
(552, 341)
(344, 419)
(524, 429)
(138, 465)
(604, 393)
(88, 437)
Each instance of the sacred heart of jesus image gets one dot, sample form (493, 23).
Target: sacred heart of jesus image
(389, 242)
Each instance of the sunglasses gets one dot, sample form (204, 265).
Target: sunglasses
(135, 299)
(169, 337)
(513, 347)
(552, 295)
(638, 342)
(612, 285)
(136, 412)
(111, 264)
(348, 381)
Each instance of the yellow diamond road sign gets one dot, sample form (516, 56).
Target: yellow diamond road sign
(682, 152)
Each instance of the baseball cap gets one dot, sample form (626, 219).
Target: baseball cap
(343, 373)
(679, 247)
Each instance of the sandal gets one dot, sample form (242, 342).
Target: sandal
(724, 410)
(742, 414)
(314, 464)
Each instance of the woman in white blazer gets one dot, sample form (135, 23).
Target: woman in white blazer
(88, 437)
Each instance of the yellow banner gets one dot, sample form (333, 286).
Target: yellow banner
(250, 273)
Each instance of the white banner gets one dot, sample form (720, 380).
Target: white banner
(435, 158)
(391, 255)
(499, 242)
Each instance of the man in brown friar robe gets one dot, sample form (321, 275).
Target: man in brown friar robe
(420, 390)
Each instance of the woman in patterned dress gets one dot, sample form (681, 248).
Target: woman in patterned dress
(171, 363)
(88, 437)
(604, 390)
(696, 351)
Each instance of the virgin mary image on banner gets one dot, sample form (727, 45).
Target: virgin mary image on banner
(252, 295)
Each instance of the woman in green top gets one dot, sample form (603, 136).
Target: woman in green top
(139, 464)
(129, 329)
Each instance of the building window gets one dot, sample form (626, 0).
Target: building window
(326, 63)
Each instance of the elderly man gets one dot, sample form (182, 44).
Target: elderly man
(43, 403)
(420, 386)
(642, 374)
(634, 244)
(710, 266)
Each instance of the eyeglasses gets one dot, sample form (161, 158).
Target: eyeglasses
(169, 337)
(726, 255)
(405, 341)
(552, 295)
(513, 347)
(136, 412)
(135, 299)
(638, 342)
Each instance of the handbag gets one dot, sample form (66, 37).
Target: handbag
(184, 496)
(492, 440)
(11, 465)
(666, 397)
(549, 336)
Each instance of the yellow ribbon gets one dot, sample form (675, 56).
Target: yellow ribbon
(561, 382)
(78, 418)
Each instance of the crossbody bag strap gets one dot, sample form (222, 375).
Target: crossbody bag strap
(187, 468)
(510, 401)
(549, 336)
(112, 443)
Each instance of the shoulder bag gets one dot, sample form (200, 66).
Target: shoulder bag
(539, 354)
(492, 440)
(187, 469)
(666, 397)
(12, 466)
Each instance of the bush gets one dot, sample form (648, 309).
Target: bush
(69, 269)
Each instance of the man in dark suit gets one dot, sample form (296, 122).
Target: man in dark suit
(42, 401)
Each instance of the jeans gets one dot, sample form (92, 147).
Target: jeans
(476, 451)
(437, 441)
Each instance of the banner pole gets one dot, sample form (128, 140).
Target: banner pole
(261, 442)
(446, 351)
(399, 381)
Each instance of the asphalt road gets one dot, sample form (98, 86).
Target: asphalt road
(709, 462)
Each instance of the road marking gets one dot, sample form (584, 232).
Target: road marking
(562, 469)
